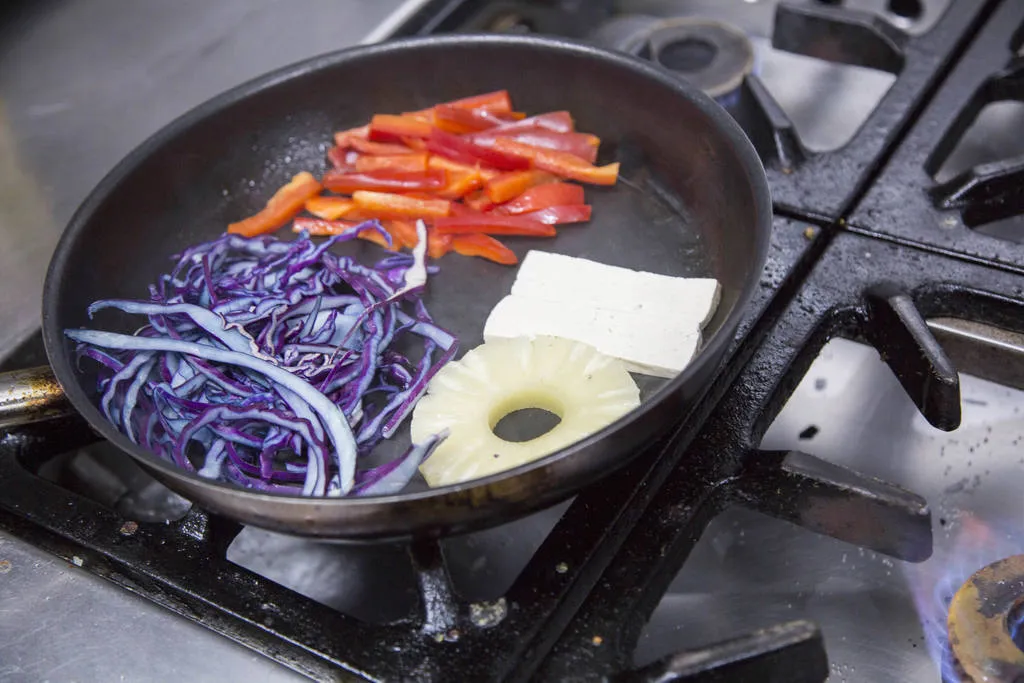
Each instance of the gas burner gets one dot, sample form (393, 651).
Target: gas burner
(984, 618)
(713, 55)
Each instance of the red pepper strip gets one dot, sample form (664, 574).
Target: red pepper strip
(339, 159)
(560, 163)
(415, 144)
(557, 121)
(389, 128)
(559, 215)
(330, 208)
(460, 209)
(378, 148)
(461, 184)
(404, 163)
(399, 206)
(456, 120)
(446, 164)
(384, 181)
(543, 196)
(464, 151)
(280, 208)
(492, 224)
(319, 227)
(371, 235)
(438, 245)
(403, 232)
(497, 101)
(343, 138)
(504, 187)
(485, 246)
(478, 201)
(582, 145)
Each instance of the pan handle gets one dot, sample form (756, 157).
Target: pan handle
(37, 414)
(30, 396)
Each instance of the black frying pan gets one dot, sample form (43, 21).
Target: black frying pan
(692, 201)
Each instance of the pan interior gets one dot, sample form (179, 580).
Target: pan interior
(684, 206)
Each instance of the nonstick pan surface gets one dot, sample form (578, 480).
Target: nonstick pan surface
(692, 201)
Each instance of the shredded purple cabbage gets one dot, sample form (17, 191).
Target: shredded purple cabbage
(274, 365)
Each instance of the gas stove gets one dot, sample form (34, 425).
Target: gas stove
(844, 503)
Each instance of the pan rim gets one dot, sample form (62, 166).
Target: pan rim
(64, 371)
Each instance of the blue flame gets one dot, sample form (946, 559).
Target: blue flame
(975, 545)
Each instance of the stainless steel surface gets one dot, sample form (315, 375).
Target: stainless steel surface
(750, 571)
(30, 395)
(827, 102)
(82, 82)
(988, 352)
(61, 623)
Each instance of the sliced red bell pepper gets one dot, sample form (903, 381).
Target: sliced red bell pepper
(378, 148)
(461, 184)
(542, 196)
(497, 101)
(504, 187)
(390, 128)
(438, 245)
(464, 151)
(280, 208)
(415, 144)
(391, 205)
(384, 181)
(339, 158)
(478, 201)
(582, 145)
(460, 209)
(557, 121)
(456, 120)
(403, 232)
(559, 215)
(492, 224)
(371, 235)
(320, 227)
(484, 246)
(560, 163)
(401, 163)
(446, 164)
(344, 138)
(330, 208)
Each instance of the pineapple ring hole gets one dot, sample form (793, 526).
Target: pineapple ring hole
(524, 418)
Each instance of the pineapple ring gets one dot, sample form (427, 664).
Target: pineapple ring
(584, 388)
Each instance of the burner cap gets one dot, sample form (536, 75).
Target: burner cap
(712, 55)
(983, 619)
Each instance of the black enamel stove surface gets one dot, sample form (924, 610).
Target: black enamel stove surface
(577, 608)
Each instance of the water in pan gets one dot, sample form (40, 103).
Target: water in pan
(827, 102)
(882, 620)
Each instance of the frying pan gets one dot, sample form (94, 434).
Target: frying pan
(692, 201)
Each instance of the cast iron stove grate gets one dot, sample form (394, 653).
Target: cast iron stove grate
(816, 184)
(907, 204)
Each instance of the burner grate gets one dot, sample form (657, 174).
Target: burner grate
(907, 204)
(820, 185)
(839, 298)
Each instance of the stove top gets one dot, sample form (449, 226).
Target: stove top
(818, 516)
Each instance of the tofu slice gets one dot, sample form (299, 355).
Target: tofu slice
(649, 344)
(585, 283)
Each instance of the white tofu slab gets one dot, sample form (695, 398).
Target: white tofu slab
(555, 277)
(650, 344)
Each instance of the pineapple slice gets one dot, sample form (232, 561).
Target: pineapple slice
(583, 387)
